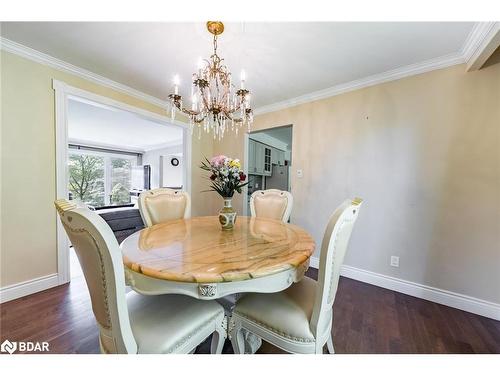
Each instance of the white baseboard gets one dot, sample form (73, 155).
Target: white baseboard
(444, 297)
(10, 292)
(314, 262)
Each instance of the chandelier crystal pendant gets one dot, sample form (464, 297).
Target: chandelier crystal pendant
(216, 105)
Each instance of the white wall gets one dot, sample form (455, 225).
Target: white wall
(170, 175)
(152, 158)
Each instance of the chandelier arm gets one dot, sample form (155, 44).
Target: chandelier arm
(198, 120)
(204, 98)
(230, 117)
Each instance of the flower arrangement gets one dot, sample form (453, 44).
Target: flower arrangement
(226, 175)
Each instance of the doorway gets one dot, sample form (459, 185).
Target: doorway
(107, 153)
(268, 160)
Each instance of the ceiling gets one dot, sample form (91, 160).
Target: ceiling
(282, 134)
(281, 60)
(97, 125)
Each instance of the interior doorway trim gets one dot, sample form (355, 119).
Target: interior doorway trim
(64, 92)
(245, 170)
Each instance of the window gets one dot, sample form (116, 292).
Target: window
(99, 178)
(121, 180)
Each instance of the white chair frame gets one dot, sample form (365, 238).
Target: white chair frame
(82, 220)
(333, 250)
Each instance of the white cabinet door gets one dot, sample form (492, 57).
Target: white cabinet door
(251, 157)
(259, 158)
(267, 161)
(281, 157)
(274, 155)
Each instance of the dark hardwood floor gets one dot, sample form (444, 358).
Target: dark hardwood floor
(367, 319)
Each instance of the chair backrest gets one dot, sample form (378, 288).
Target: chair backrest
(163, 204)
(333, 250)
(102, 265)
(272, 204)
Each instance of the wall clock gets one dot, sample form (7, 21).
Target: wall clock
(174, 162)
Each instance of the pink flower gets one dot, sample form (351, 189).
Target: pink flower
(218, 161)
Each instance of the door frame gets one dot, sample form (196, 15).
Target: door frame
(63, 92)
(245, 170)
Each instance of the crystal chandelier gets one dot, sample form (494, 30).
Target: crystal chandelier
(216, 106)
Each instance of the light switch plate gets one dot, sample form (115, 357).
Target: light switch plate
(299, 173)
(394, 261)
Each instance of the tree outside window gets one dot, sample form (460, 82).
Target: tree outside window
(121, 179)
(86, 179)
(99, 180)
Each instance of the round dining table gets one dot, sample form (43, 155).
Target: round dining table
(195, 257)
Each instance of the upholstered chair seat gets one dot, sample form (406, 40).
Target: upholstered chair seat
(299, 319)
(271, 204)
(160, 205)
(166, 323)
(286, 314)
(131, 322)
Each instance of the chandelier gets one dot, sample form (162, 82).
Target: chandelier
(216, 105)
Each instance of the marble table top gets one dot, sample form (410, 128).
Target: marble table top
(197, 250)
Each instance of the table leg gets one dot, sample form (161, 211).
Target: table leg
(252, 341)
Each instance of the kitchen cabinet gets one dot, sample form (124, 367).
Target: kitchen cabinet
(259, 158)
(251, 157)
(274, 156)
(281, 157)
(277, 156)
(267, 161)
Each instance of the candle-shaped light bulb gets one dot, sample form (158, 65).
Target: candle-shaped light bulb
(176, 84)
(248, 97)
(243, 77)
(200, 66)
(194, 102)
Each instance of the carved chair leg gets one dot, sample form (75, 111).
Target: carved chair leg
(219, 337)
(238, 340)
(329, 343)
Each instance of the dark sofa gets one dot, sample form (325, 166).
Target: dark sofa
(122, 221)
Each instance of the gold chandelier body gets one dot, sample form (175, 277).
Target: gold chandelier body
(215, 104)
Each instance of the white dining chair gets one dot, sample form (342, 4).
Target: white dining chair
(272, 204)
(131, 322)
(299, 319)
(163, 204)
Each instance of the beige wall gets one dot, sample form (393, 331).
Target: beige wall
(424, 153)
(28, 217)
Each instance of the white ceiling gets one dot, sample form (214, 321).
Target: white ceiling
(281, 60)
(282, 134)
(98, 125)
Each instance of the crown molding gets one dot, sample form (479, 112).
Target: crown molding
(480, 34)
(42, 58)
(472, 44)
(391, 75)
